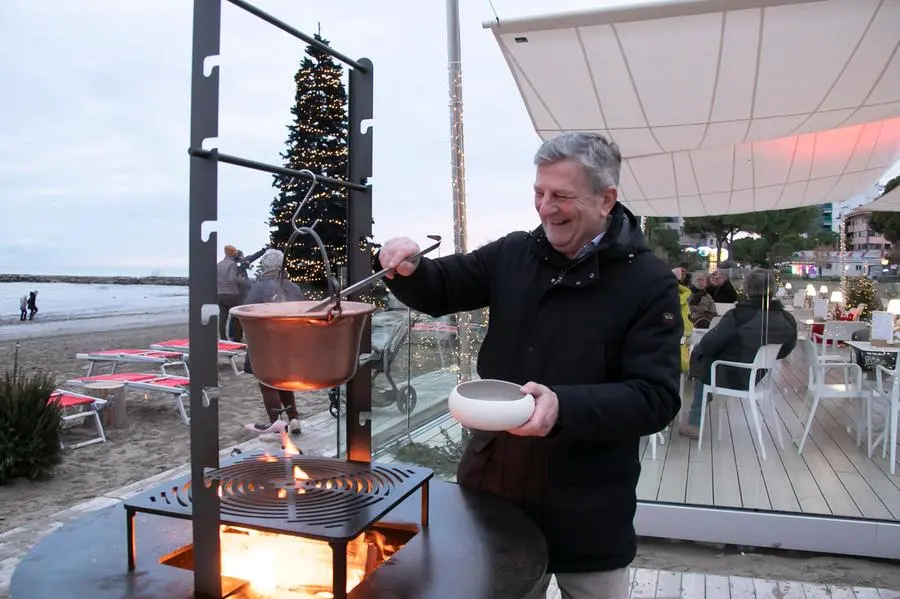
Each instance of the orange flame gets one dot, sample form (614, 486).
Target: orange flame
(289, 447)
(258, 557)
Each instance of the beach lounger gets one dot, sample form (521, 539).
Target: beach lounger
(176, 386)
(228, 349)
(165, 359)
(76, 406)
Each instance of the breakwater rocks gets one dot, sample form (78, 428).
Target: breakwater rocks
(85, 280)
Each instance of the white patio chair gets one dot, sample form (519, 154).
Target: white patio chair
(834, 332)
(819, 388)
(756, 394)
(892, 419)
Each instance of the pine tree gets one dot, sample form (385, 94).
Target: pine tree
(861, 290)
(317, 141)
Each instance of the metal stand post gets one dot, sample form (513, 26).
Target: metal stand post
(458, 172)
(204, 177)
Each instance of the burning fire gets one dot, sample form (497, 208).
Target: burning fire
(285, 567)
(281, 566)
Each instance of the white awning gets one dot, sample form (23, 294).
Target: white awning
(721, 106)
(889, 202)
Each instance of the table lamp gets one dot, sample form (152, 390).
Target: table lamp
(894, 306)
(837, 298)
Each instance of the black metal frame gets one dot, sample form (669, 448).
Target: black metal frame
(203, 330)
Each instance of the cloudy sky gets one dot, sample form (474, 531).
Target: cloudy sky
(95, 123)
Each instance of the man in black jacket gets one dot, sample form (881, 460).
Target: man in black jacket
(586, 319)
(754, 322)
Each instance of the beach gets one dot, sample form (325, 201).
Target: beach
(155, 439)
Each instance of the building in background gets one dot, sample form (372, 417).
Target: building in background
(851, 204)
(814, 263)
(825, 220)
(860, 236)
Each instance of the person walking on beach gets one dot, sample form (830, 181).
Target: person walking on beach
(264, 291)
(32, 305)
(229, 293)
(23, 307)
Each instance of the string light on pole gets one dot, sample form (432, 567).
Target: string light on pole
(842, 252)
(458, 170)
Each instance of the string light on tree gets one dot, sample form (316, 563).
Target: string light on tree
(317, 141)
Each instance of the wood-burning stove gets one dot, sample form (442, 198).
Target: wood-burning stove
(322, 499)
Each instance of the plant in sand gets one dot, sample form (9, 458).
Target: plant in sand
(30, 425)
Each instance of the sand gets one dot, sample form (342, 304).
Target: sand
(155, 440)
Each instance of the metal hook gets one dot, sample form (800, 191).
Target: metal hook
(306, 198)
(333, 287)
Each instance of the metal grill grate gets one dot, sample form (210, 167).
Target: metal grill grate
(337, 502)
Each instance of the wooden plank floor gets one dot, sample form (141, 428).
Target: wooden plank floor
(660, 584)
(832, 476)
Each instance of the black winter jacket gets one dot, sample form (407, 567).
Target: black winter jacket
(737, 338)
(603, 332)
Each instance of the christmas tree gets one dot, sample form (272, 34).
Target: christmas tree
(317, 141)
(861, 290)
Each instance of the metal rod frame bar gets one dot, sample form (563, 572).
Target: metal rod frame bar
(203, 251)
(359, 66)
(271, 168)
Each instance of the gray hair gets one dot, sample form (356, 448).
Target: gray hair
(699, 274)
(600, 158)
(759, 283)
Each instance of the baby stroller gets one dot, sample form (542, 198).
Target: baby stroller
(390, 329)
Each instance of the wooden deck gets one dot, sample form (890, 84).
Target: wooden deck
(833, 476)
(660, 584)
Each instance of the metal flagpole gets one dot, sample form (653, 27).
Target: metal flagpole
(458, 169)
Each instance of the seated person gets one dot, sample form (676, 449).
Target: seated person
(721, 289)
(684, 293)
(701, 303)
(753, 322)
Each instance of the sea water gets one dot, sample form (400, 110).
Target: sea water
(66, 301)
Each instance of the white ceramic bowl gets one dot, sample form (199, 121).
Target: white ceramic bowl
(490, 405)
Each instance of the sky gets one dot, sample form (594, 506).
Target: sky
(95, 125)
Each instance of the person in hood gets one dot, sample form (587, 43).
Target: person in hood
(758, 320)
(32, 304)
(586, 319)
(271, 288)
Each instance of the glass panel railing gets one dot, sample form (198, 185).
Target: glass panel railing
(431, 437)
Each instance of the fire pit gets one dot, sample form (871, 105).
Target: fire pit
(317, 509)
(286, 526)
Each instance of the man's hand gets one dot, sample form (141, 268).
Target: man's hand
(546, 412)
(394, 253)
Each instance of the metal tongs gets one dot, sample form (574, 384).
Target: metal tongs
(344, 293)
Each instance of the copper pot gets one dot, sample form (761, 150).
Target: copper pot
(296, 350)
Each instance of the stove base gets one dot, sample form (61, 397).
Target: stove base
(475, 546)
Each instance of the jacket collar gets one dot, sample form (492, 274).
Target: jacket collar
(622, 239)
